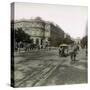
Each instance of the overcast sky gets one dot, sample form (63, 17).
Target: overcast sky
(72, 19)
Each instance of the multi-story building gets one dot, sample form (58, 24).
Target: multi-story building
(41, 32)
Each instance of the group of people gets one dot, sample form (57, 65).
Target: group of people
(28, 46)
(24, 46)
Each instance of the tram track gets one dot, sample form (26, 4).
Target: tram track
(38, 77)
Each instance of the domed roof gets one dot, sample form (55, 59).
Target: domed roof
(38, 18)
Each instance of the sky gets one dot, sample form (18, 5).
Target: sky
(72, 19)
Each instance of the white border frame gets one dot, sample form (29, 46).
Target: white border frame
(5, 44)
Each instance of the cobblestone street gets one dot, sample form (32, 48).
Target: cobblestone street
(46, 67)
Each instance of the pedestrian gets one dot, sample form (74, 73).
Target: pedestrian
(73, 54)
(63, 51)
(60, 50)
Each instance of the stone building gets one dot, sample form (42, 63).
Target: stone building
(77, 40)
(41, 32)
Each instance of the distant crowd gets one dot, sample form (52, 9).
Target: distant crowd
(29, 46)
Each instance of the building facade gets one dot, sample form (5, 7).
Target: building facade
(41, 32)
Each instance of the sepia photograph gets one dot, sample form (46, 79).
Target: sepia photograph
(49, 44)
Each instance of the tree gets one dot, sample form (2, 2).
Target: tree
(68, 41)
(21, 36)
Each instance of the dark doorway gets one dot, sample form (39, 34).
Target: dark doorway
(41, 41)
(37, 41)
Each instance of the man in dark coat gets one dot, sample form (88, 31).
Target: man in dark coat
(73, 54)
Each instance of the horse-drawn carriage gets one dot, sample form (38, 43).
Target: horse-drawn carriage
(66, 50)
(63, 50)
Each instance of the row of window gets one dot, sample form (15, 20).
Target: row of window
(29, 25)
